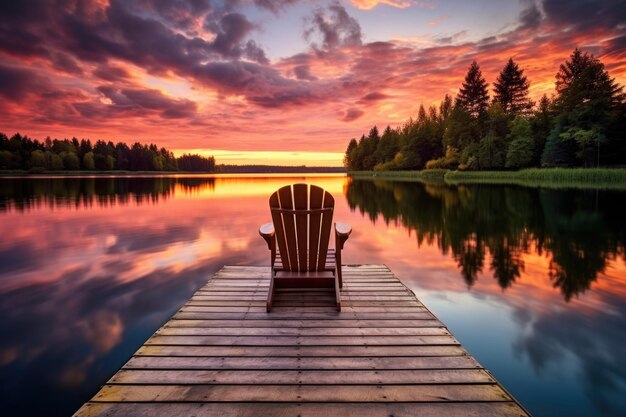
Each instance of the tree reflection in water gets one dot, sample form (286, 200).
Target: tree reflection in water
(579, 230)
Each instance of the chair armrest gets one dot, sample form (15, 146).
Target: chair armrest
(342, 232)
(343, 229)
(266, 230)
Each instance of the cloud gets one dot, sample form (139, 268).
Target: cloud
(401, 4)
(436, 21)
(352, 114)
(335, 27)
(111, 73)
(16, 83)
(303, 72)
(274, 5)
(372, 97)
(530, 16)
(232, 30)
(131, 102)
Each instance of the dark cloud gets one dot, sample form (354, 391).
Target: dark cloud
(136, 102)
(231, 30)
(335, 27)
(263, 86)
(530, 17)
(15, 82)
(373, 96)
(274, 5)
(303, 72)
(455, 37)
(111, 73)
(291, 97)
(352, 114)
(181, 13)
(583, 14)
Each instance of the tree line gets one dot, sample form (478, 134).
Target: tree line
(23, 153)
(582, 124)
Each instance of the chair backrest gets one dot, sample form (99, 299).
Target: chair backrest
(302, 219)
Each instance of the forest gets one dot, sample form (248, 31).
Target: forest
(23, 153)
(583, 124)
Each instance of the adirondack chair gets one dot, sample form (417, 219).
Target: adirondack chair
(300, 227)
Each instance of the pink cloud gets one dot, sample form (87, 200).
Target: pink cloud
(401, 4)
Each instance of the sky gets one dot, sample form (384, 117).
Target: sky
(286, 82)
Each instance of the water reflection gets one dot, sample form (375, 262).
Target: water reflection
(25, 194)
(90, 267)
(578, 230)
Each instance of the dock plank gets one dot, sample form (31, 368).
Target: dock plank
(222, 354)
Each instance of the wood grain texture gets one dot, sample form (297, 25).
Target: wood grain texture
(222, 354)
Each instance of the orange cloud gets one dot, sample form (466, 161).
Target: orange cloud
(438, 20)
(370, 4)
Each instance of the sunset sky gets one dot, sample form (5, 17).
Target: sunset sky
(272, 82)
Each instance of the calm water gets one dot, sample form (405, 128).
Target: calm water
(532, 281)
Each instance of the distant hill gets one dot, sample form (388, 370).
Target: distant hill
(276, 169)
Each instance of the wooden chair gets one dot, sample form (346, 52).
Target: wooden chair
(301, 223)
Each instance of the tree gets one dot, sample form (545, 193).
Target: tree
(491, 152)
(347, 159)
(511, 89)
(387, 146)
(369, 148)
(37, 159)
(541, 125)
(521, 147)
(473, 95)
(88, 161)
(70, 160)
(588, 103)
(459, 129)
(445, 107)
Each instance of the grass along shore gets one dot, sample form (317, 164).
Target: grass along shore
(610, 178)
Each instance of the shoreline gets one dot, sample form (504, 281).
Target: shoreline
(597, 178)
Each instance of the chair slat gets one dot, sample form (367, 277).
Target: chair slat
(315, 221)
(285, 196)
(327, 219)
(279, 231)
(301, 201)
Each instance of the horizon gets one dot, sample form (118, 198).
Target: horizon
(273, 83)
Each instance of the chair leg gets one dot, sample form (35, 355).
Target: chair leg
(270, 292)
(337, 291)
(338, 266)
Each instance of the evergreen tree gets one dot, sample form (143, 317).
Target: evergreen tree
(588, 103)
(541, 125)
(348, 159)
(511, 89)
(369, 149)
(445, 107)
(521, 146)
(473, 95)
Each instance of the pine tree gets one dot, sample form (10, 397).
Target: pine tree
(348, 160)
(511, 89)
(583, 81)
(473, 95)
(541, 125)
(588, 102)
(445, 107)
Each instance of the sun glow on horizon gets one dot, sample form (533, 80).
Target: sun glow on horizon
(283, 158)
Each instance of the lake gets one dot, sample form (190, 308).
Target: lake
(531, 281)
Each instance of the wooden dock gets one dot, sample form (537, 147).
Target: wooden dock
(222, 354)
